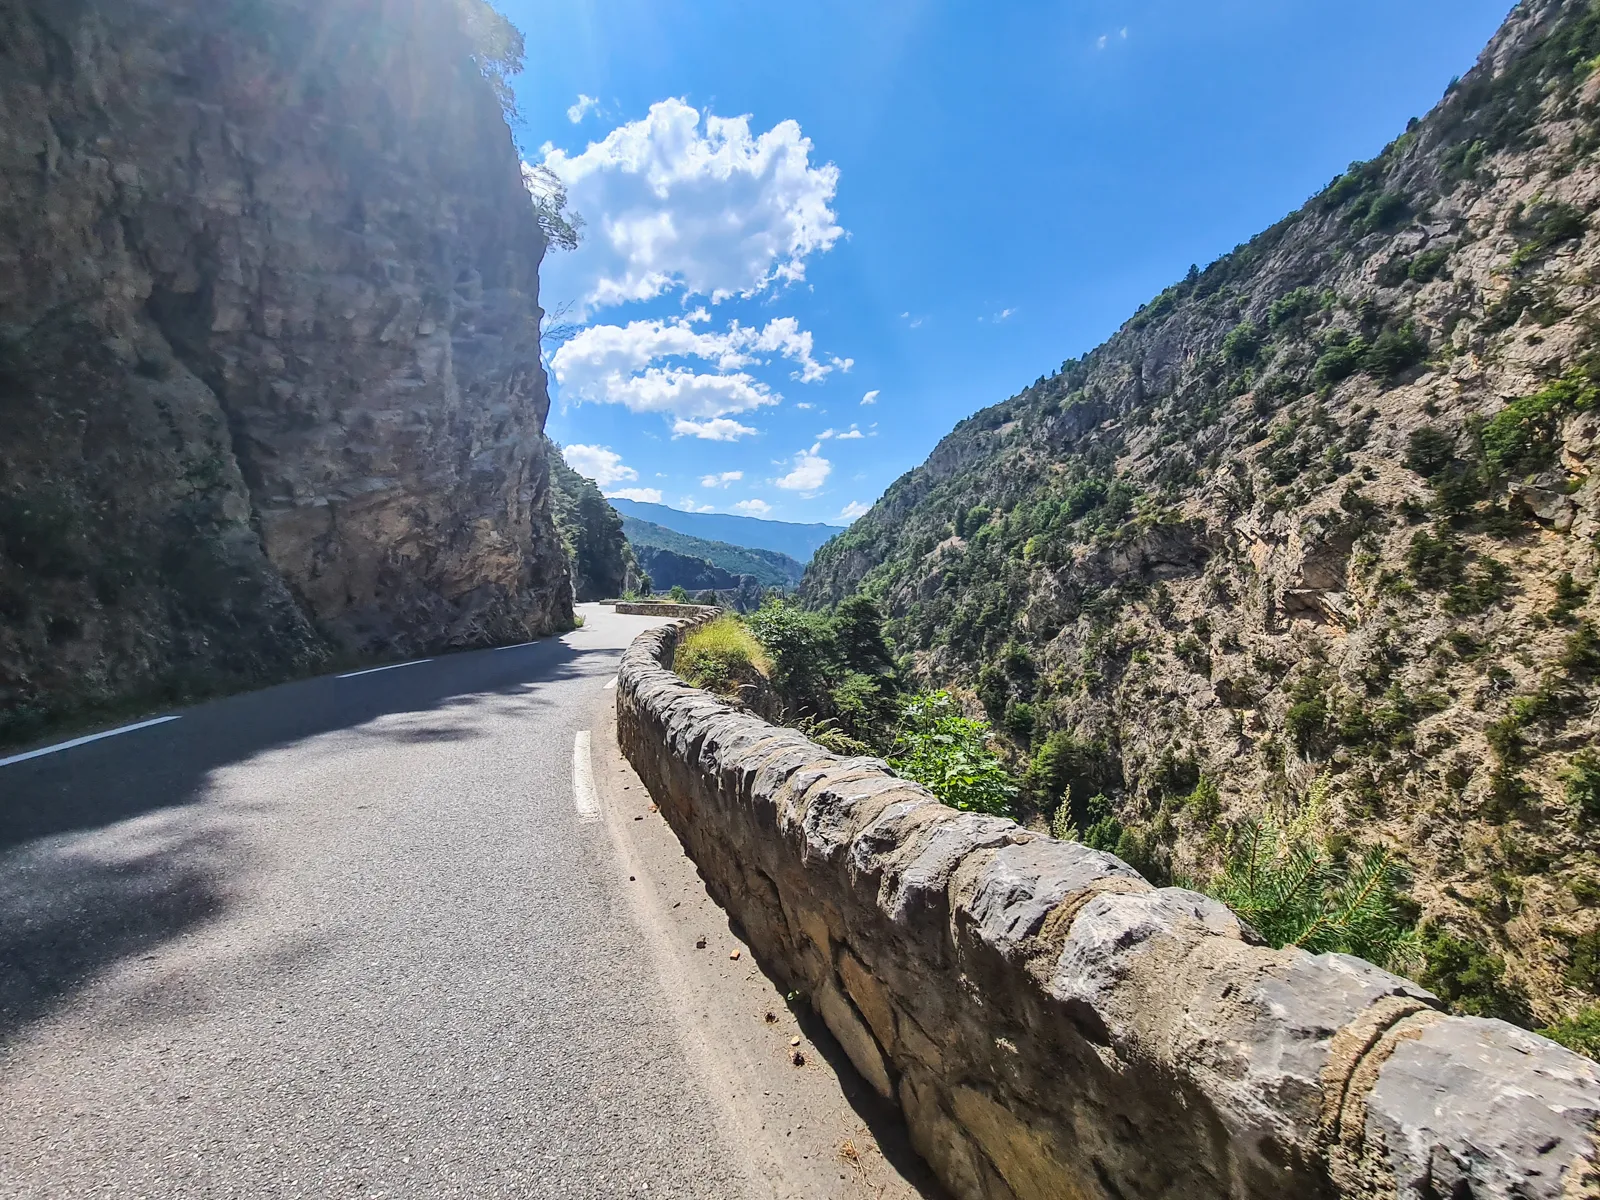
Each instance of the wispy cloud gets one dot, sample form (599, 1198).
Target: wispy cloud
(718, 429)
(853, 510)
(584, 106)
(871, 397)
(753, 508)
(722, 480)
(642, 495)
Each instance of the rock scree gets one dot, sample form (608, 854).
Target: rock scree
(270, 387)
(1052, 1025)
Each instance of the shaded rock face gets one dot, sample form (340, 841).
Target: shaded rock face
(269, 373)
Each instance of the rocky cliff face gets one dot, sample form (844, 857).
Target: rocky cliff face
(1318, 529)
(269, 376)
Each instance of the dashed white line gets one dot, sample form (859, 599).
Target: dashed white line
(93, 737)
(390, 667)
(583, 793)
(518, 646)
(612, 684)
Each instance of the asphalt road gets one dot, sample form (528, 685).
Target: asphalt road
(344, 937)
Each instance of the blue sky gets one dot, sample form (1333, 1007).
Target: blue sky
(792, 207)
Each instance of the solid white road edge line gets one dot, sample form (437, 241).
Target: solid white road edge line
(583, 793)
(93, 737)
(612, 684)
(390, 667)
(518, 646)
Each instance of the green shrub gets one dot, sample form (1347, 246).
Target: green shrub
(803, 651)
(1580, 657)
(1584, 969)
(1289, 311)
(1205, 802)
(720, 656)
(1242, 344)
(679, 594)
(1436, 560)
(1569, 597)
(949, 754)
(1429, 451)
(1484, 585)
(1065, 766)
(1340, 359)
(1469, 978)
(1307, 721)
(1544, 227)
(1427, 265)
(1394, 351)
(1580, 1033)
(1383, 210)
(1522, 437)
(1294, 893)
(1582, 778)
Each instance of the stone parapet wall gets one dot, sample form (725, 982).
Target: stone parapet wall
(1053, 1026)
(664, 608)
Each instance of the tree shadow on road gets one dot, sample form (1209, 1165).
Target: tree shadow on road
(102, 857)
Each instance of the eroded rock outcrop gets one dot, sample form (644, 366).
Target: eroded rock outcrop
(269, 375)
(1054, 1026)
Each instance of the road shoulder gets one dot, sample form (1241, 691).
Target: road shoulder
(810, 1129)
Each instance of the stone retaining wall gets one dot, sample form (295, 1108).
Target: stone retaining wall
(1055, 1027)
(663, 608)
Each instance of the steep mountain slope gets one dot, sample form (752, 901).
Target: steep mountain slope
(603, 564)
(269, 371)
(785, 537)
(769, 567)
(1318, 528)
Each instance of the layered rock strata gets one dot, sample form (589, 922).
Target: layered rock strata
(1054, 1026)
(269, 375)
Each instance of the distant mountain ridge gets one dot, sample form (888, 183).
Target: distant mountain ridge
(771, 568)
(798, 541)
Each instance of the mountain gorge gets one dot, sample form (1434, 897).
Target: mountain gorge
(270, 389)
(1314, 537)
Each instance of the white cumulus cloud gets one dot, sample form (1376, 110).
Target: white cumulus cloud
(646, 365)
(676, 201)
(810, 472)
(599, 463)
(722, 480)
(848, 435)
(753, 508)
(687, 504)
(642, 495)
(853, 510)
(717, 429)
(871, 397)
(584, 106)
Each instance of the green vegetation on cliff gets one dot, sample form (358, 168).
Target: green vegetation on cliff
(602, 562)
(1320, 519)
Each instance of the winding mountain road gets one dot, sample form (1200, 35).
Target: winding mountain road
(373, 935)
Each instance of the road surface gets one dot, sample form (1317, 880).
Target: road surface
(375, 935)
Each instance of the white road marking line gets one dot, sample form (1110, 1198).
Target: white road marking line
(612, 684)
(93, 737)
(390, 667)
(518, 646)
(583, 793)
